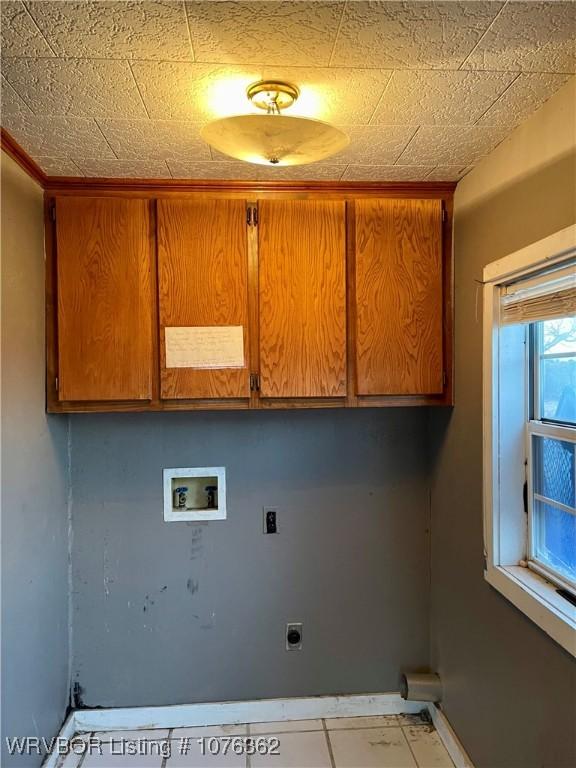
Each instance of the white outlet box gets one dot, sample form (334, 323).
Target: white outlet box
(202, 490)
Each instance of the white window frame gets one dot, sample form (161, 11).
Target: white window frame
(526, 588)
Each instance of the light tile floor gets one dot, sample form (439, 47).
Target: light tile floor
(391, 741)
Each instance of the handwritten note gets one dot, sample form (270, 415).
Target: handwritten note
(205, 347)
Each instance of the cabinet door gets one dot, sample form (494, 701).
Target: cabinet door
(104, 250)
(302, 298)
(398, 276)
(203, 285)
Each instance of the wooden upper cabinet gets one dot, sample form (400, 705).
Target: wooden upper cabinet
(398, 296)
(104, 296)
(302, 298)
(203, 284)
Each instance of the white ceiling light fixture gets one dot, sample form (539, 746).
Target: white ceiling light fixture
(274, 138)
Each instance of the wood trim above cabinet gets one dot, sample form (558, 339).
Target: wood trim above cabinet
(255, 190)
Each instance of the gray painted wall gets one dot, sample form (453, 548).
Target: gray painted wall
(34, 486)
(169, 613)
(510, 691)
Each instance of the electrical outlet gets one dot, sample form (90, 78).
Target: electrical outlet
(294, 636)
(270, 520)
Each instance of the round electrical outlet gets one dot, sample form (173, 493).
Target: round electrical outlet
(294, 637)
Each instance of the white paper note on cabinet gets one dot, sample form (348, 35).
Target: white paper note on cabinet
(213, 346)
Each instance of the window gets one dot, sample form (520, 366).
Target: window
(551, 437)
(530, 432)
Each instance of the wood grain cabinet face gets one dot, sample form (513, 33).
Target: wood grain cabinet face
(398, 296)
(302, 298)
(104, 299)
(203, 282)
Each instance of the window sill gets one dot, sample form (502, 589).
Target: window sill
(538, 600)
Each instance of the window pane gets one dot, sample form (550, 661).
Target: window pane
(559, 336)
(558, 369)
(554, 469)
(559, 389)
(555, 539)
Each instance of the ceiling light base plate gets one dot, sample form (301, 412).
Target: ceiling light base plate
(272, 94)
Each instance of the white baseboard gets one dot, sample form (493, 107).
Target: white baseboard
(449, 738)
(266, 710)
(68, 730)
(232, 712)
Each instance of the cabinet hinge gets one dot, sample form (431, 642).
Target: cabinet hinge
(56, 383)
(444, 378)
(252, 215)
(53, 211)
(254, 382)
(444, 214)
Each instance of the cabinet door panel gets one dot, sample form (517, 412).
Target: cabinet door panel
(302, 298)
(104, 299)
(398, 275)
(203, 282)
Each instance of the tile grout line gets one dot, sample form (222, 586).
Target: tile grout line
(337, 33)
(105, 139)
(483, 35)
(185, 9)
(410, 747)
(328, 743)
(83, 756)
(396, 162)
(496, 100)
(42, 35)
(74, 163)
(380, 100)
(476, 70)
(169, 742)
(248, 740)
(138, 89)
(9, 85)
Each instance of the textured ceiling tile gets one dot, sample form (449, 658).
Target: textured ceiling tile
(57, 136)
(249, 171)
(386, 172)
(76, 87)
(19, 34)
(439, 98)
(529, 36)
(155, 139)
(448, 173)
(58, 166)
(196, 92)
(411, 35)
(12, 104)
(345, 96)
(121, 169)
(275, 32)
(525, 95)
(153, 29)
(369, 145)
(451, 145)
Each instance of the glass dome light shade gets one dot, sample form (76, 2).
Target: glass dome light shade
(274, 139)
